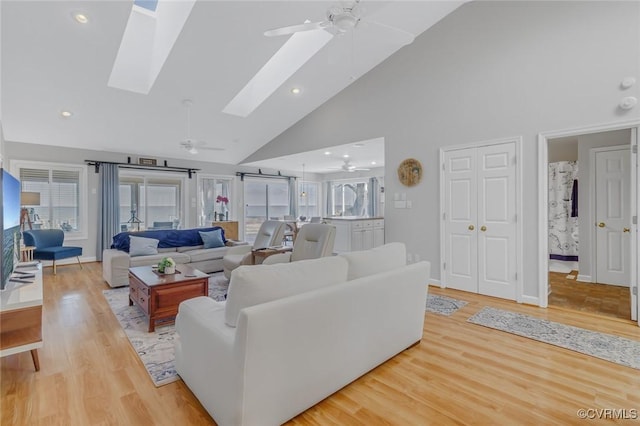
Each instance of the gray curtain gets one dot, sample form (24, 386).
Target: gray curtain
(108, 207)
(328, 188)
(293, 198)
(374, 191)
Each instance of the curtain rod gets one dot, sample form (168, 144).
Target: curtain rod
(96, 163)
(264, 175)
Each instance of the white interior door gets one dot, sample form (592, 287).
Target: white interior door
(480, 220)
(497, 221)
(613, 222)
(460, 219)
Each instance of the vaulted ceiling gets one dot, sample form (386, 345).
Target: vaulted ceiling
(52, 63)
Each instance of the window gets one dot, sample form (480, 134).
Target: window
(309, 203)
(349, 198)
(212, 191)
(264, 199)
(148, 202)
(62, 190)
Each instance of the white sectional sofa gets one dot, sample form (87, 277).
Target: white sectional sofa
(291, 334)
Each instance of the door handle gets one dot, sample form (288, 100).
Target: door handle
(471, 227)
(601, 225)
(483, 228)
(626, 230)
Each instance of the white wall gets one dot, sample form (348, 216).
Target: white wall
(489, 70)
(563, 150)
(585, 226)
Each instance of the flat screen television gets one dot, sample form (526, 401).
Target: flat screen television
(10, 223)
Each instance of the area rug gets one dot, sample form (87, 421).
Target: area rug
(600, 345)
(154, 349)
(443, 305)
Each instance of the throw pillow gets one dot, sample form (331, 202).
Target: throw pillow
(212, 239)
(142, 246)
(256, 284)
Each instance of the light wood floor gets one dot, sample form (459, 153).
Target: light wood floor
(604, 299)
(459, 374)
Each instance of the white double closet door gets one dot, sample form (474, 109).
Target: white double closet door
(480, 220)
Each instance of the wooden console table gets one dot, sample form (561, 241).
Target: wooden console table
(160, 294)
(21, 314)
(230, 228)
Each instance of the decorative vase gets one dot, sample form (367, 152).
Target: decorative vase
(169, 269)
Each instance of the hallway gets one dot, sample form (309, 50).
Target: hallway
(612, 301)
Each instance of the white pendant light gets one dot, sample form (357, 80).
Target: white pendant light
(303, 193)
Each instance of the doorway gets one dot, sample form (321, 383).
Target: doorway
(603, 248)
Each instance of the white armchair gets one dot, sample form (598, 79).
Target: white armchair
(270, 233)
(314, 240)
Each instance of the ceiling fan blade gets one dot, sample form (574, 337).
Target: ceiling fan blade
(212, 148)
(404, 37)
(297, 28)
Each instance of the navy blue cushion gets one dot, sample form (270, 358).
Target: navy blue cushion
(168, 238)
(55, 253)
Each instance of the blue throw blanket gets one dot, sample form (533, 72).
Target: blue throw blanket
(167, 237)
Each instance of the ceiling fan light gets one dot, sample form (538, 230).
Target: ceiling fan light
(344, 22)
(193, 150)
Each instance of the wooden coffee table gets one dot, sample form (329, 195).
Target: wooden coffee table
(160, 294)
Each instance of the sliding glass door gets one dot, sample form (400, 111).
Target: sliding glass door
(264, 199)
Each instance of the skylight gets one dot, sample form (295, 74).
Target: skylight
(283, 64)
(152, 30)
(147, 4)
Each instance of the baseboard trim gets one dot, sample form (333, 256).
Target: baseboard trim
(69, 261)
(584, 278)
(435, 283)
(530, 300)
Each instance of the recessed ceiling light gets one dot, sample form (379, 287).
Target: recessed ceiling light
(346, 156)
(373, 163)
(80, 18)
(66, 114)
(295, 90)
(327, 153)
(358, 145)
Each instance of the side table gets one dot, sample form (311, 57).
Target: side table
(266, 252)
(26, 253)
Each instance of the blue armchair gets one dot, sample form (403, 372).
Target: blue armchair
(48, 245)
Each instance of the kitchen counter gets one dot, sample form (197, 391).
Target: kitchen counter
(353, 218)
(357, 232)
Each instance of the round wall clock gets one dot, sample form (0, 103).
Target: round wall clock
(410, 172)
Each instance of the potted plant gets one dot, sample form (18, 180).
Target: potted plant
(167, 266)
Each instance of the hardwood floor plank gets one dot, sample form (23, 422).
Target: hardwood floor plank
(460, 373)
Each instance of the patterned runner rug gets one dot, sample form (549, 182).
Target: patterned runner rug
(154, 349)
(600, 345)
(443, 305)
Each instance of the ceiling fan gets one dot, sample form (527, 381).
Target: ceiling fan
(189, 144)
(348, 167)
(340, 20)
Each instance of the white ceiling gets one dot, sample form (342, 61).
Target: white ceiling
(51, 63)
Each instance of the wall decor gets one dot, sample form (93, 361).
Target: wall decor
(148, 161)
(410, 172)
